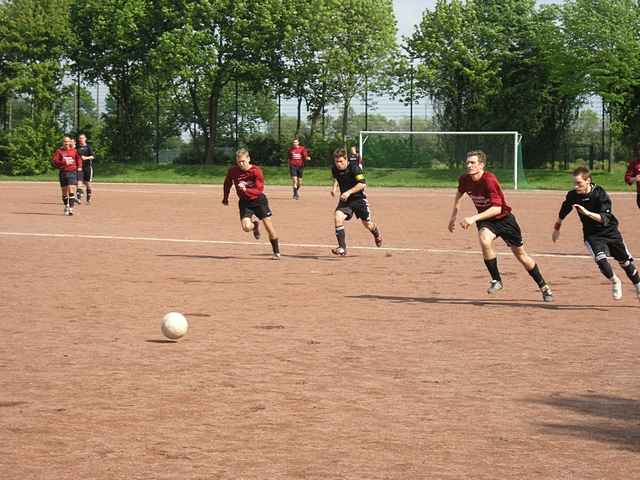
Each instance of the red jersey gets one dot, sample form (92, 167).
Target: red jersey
(485, 193)
(67, 160)
(297, 156)
(252, 180)
(632, 171)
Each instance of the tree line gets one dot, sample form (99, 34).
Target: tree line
(210, 68)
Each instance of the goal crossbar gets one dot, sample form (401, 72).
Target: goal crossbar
(364, 134)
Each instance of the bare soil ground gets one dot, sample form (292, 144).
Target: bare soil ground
(390, 363)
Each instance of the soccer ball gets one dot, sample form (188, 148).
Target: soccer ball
(174, 325)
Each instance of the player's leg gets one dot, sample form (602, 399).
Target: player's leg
(339, 218)
(273, 236)
(638, 199)
(88, 177)
(362, 211)
(300, 175)
(598, 250)
(532, 269)
(486, 238)
(620, 252)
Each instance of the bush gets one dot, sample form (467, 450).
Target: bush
(264, 150)
(27, 148)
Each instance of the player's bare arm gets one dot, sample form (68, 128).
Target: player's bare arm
(334, 189)
(454, 211)
(358, 188)
(556, 230)
(587, 213)
(486, 215)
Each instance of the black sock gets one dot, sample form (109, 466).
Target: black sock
(72, 200)
(274, 245)
(375, 232)
(88, 194)
(605, 268)
(342, 237)
(65, 199)
(537, 276)
(492, 266)
(631, 271)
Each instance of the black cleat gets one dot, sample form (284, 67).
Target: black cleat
(339, 251)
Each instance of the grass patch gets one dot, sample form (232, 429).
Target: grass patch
(319, 176)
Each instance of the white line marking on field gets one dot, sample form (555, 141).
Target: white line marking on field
(295, 245)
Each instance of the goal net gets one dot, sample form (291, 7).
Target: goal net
(444, 152)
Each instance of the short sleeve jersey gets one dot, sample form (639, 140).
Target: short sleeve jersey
(85, 151)
(297, 156)
(633, 170)
(596, 201)
(485, 193)
(349, 178)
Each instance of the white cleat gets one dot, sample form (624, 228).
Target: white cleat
(494, 287)
(616, 288)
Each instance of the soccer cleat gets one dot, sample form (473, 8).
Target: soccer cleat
(494, 287)
(547, 294)
(339, 251)
(378, 239)
(616, 288)
(275, 256)
(66, 211)
(256, 230)
(70, 211)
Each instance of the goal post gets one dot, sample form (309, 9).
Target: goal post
(443, 150)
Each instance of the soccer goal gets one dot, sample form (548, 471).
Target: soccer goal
(444, 151)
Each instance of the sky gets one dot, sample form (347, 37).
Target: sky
(409, 13)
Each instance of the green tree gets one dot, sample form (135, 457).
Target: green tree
(363, 44)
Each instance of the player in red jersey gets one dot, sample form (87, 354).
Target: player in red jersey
(297, 155)
(633, 172)
(69, 162)
(249, 182)
(494, 219)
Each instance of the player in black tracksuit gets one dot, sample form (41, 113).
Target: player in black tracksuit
(87, 167)
(599, 228)
(350, 179)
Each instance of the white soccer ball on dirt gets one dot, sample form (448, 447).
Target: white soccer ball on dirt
(174, 325)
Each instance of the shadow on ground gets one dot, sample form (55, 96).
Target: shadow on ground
(486, 303)
(608, 419)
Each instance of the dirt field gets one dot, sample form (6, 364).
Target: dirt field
(391, 363)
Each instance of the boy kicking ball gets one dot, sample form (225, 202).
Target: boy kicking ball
(249, 182)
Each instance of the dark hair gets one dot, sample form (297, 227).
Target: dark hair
(482, 157)
(583, 171)
(340, 152)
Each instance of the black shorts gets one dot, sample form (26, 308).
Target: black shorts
(357, 206)
(601, 247)
(506, 228)
(87, 171)
(68, 178)
(296, 171)
(258, 207)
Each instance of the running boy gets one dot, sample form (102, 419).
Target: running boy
(632, 175)
(494, 219)
(599, 229)
(297, 155)
(249, 182)
(69, 162)
(350, 179)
